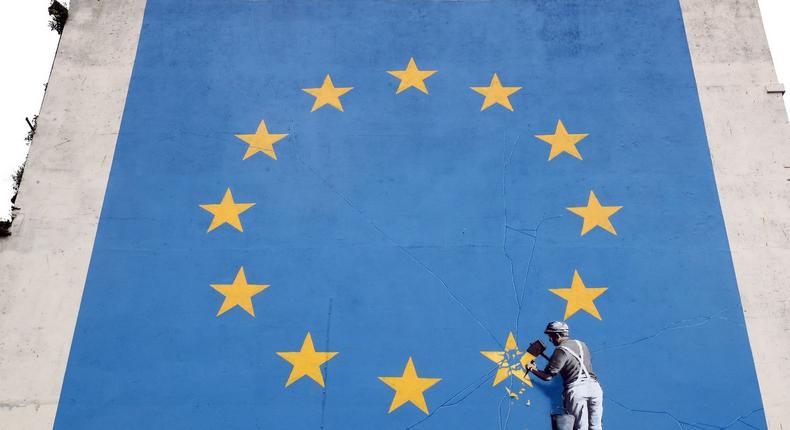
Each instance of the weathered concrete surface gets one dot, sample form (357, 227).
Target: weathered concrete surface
(749, 141)
(44, 264)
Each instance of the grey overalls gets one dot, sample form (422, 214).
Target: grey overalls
(583, 397)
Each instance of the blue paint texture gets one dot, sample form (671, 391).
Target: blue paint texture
(408, 224)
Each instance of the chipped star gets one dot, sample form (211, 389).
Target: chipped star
(511, 362)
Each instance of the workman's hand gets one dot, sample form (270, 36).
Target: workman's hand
(531, 366)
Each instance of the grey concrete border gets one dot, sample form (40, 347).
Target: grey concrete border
(749, 140)
(43, 265)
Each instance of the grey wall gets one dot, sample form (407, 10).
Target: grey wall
(44, 263)
(749, 142)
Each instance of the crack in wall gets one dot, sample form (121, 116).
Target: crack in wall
(499, 412)
(682, 424)
(503, 426)
(458, 397)
(532, 233)
(326, 364)
(519, 298)
(677, 325)
(403, 249)
(520, 302)
(506, 161)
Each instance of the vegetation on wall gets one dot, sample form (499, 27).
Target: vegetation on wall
(59, 15)
(16, 177)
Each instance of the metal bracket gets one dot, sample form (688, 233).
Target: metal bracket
(775, 88)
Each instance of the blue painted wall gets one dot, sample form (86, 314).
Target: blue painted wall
(408, 224)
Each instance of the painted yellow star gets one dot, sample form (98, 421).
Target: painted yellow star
(579, 297)
(239, 293)
(561, 141)
(596, 215)
(261, 141)
(409, 387)
(496, 93)
(412, 77)
(327, 94)
(226, 211)
(306, 362)
(511, 361)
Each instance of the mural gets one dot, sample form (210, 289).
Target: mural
(403, 220)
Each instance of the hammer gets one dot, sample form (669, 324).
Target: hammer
(537, 348)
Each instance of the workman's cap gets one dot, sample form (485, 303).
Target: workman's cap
(557, 327)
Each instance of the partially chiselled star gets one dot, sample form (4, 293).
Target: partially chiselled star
(412, 77)
(579, 297)
(562, 141)
(227, 211)
(239, 293)
(306, 362)
(596, 215)
(496, 94)
(511, 362)
(409, 388)
(327, 94)
(261, 141)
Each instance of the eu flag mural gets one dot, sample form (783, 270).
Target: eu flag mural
(360, 215)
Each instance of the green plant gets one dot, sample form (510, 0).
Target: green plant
(59, 14)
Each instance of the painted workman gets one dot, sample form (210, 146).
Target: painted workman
(583, 396)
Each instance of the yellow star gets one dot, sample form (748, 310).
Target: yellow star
(261, 141)
(227, 211)
(409, 387)
(306, 362)
(579, 297)
(327, 94)
(496, 93)
(596, 215)
(511, 361)
(412, 77)
(561, 141)
(238, 293)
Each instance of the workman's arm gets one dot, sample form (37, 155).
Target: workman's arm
(532, 367)
(556, 362)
